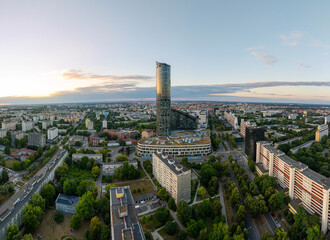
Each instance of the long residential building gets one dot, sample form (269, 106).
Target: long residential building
(306, 187)
(172, 175)
(231, 119)
(11, 212)
(125, 223)
(322, 130)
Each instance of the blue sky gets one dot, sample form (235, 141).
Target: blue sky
(78, 51)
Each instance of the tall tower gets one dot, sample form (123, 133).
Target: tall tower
(163, 84)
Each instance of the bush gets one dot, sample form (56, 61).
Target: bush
(170, 228)
(58, 217)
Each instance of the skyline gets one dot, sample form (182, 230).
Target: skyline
(220, 51)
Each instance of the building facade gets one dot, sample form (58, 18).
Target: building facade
(306, 187)
(26, 126)
(245, 124)
(172, 175)
(66, 203)
(182, 121)
(78, 156)
(52, 133)
(36, 139)
(108, 169)
(9, 125)
(253, 135)
(163, 104)
(3, 132)
(231, 119)
(322, 130)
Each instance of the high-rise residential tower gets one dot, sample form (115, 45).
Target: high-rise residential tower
(163, 81)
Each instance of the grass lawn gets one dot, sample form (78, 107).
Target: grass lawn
(153, 223)
(78, 173)
(145, 186)
(51, 230)
(166, 236)
(9, 163)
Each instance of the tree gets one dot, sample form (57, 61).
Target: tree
(280, 234)
(252, 165)
(58, 217)
(184, 212)
(75, 222)
(105, 233)
(182, 235)
(241, 213)
(85, 205)
(171, 204)
(107, 189)
(37, 200)
(122, 158)
(201, 191)
(170, 228)
(162, 214)
(162, 193)
(95, 228)
(27, 237)
(207, 172)
(16, 166)
(61, 171)
(315, 233)
(31, 216)
(273, 202)
(13, 233)
(96, 172)
(7, 150)
(143, 219)
(266, 236)
(213, 185)
(235, 197)
(216, 208)
(48, 193)
(4, 177)
(192, 228)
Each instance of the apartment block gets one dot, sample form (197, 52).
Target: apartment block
(306, 187)
(16, 135)
(108, 169)
(9, 125)
(244, 125)
(203, 119)
(322, 130)
(36, 139)
(231, 119)
(52, 133)
(26, 126)
(172, 175)
(46, 124)
(3, 132)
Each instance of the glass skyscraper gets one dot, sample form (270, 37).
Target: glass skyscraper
(163, 105)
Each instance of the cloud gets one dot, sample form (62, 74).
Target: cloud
(303, 65)
(130, 92)
(291, 39)
(74, 74)
(321, 45)
(254, 48)
(266, 58)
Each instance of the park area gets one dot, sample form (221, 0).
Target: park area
(51, 230)
(138, 186)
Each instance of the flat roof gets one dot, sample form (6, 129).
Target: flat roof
(124, 225)
(16, 202)
(316, 177)
(190, 137)
(171, 163)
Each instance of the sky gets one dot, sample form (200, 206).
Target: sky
(98, 51)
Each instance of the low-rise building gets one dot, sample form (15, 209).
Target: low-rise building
(66, 203)
(147, 133)
(23, 153)
(9, 125)
(78, 156)
(172, 175)
(304, 145)
(108, 169)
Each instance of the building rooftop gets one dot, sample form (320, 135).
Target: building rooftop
(190, 137)
(67, 199)
(292, 162)
(171, 163)
(316, 177)
(19, 199)
(303, 145)
(124, 221)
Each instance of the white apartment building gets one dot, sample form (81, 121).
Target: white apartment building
(3, 132)
(26, 126)
(306, 187)
(172, 175)
(322, 130)
(231, 119)
(203, 119)
(293, 116)
(46, 124)
(245, 124)
(52, 133)
(104, 124)
(9, 125)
